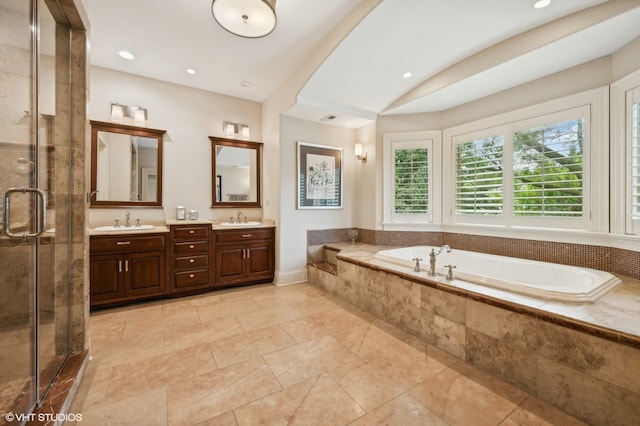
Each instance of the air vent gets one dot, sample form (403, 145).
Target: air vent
(328, 118)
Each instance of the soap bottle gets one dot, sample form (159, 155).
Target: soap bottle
(181, 212)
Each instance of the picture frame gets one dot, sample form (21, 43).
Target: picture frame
(319, 179)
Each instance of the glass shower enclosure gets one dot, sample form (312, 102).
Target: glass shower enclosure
(35, 179)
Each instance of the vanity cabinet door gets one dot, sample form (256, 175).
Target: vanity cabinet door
(106, 278)
(144, 274)
(260, 260)
(230, 264)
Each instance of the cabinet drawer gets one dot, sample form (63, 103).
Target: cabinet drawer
(244, 235)
(191, 232)
(191, 278)
(126, 243)
(191, 262)
(191, 247)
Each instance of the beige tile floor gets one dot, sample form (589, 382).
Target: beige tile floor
(282, 355)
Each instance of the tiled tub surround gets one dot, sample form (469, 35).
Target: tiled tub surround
(615, 260)
(583, 358)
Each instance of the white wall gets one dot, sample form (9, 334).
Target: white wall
(189, 116)
(294, 223)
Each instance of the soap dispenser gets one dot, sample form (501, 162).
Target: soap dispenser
(181, 212)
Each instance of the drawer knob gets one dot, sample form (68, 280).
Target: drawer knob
(191, 275)
(192, 246)
(192, 260)
(192, 232)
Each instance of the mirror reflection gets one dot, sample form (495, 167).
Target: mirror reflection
(126, 165)
(236, 173)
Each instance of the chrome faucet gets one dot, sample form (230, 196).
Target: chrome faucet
(240, 216)
(432, 258)
(127, 216)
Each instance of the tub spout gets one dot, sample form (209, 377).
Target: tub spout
(432, 258)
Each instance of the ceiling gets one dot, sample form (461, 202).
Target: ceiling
(456, 50)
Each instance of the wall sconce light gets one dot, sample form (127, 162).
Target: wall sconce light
(236, 131)
(360, 154)
(131, 114)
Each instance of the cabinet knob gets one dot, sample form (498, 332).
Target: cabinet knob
(192, 260)
(192, 246)
(192, 232)
(191, 275)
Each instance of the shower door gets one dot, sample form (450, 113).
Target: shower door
(34, 183)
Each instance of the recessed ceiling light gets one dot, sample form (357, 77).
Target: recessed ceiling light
(191, 71)
(246, 83)
(541, 3)
(126, 55)
(407, 74)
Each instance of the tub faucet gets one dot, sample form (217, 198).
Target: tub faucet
(417, 267)
(432, 258)
(450, 272)
(127, 216)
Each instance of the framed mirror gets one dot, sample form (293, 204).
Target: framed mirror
(126, 165)
(236, 173)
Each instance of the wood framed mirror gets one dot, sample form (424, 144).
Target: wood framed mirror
(236, 173)
(126, 165)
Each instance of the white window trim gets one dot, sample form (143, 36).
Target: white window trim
(618, 148)
(431, 139)
(596, 212)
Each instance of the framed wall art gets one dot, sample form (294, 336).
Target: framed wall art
(319, 176)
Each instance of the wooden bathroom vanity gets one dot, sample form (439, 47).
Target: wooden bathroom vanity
(178, 260)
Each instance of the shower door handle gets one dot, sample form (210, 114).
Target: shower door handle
(40, 212)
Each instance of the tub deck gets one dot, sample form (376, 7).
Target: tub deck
(615, 317)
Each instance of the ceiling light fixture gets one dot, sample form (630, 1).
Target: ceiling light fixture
(246, 18)
(191, 71)
(407, 74)
(126, 55)
(541, 3)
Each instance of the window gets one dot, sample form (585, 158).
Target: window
(411, 175)
(528, 172)
(409, 190)
(479, 176)
(547, 170)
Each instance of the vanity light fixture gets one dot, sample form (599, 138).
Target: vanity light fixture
(236, 131)
(245, 18)
(131, 114)
(360, 154)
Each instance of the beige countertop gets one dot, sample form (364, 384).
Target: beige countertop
(164, 227)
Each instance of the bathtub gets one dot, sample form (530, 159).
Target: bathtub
(543, 280)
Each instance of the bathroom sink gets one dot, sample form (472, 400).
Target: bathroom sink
(123, 228)
(250, 223)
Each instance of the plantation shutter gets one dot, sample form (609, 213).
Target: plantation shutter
(633, 135)
(411, 173)
(548, 170)
(479, 171)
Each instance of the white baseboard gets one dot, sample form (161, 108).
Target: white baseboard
(290, 277)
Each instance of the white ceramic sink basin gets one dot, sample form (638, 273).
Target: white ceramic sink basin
(123, 228)
(241, 223)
